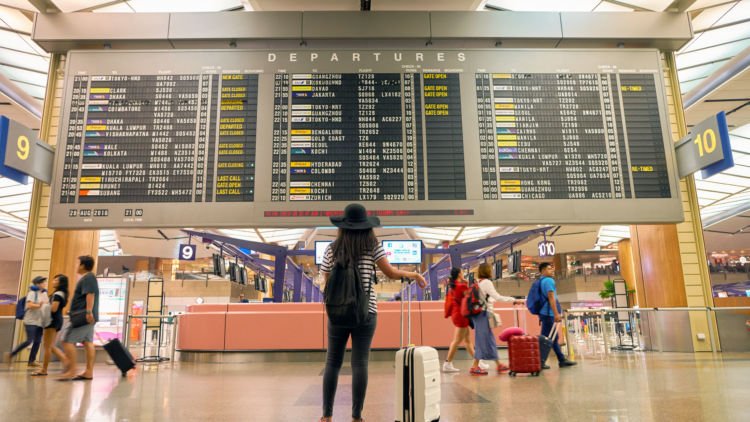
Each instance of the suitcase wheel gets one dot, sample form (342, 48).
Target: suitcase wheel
(536, 374)
(124, 374)
(512, 374)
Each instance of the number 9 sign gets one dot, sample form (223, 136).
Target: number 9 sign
(187, 253)
(23, 147)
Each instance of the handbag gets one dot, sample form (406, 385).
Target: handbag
(493, 318)
(78, 318)
(46, 315)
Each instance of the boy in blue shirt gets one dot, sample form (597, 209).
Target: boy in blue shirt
(550, 315)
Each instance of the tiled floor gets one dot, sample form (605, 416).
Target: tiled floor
(626, 387)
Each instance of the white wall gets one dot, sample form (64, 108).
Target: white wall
(10, 273)
(11, 249)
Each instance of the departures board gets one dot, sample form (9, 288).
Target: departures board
(435, 137)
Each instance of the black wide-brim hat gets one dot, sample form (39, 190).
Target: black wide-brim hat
(355, 218)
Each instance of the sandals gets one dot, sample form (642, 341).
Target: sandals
(38, 374)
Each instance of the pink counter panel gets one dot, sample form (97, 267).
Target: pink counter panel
(437, 331)
(207, 307)
(388, 329)
(304, 326)
(203, 331)
(278, 326)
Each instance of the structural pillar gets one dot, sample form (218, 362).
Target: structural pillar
(47, 252)
(658, 276)
(627, 269)
(67, 246)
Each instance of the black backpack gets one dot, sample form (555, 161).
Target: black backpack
(346, 301)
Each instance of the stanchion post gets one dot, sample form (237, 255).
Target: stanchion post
(126, 334)
(175, 322)
(709, 320)
(605, 332)
(571, 353)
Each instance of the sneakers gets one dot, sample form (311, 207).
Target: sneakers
(502, 368)
(478, 371)
(483, 365)
(567, 363)
(448, 367)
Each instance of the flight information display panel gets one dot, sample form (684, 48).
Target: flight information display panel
(567, 136)
(435, 137)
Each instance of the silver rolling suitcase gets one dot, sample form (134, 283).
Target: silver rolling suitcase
(417, 377)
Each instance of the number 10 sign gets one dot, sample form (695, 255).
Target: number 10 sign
(547, 248)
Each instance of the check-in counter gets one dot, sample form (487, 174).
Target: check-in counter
(437, 331)
(204, 331)
(241, 327)
(275, 326)
(389, 320)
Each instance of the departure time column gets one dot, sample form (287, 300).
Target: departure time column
(74, 139)
(280, 138)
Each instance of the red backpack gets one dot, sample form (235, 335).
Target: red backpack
(472, 304)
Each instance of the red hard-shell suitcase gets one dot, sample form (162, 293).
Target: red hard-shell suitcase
(524, 357)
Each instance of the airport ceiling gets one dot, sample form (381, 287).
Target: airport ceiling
(722, 35)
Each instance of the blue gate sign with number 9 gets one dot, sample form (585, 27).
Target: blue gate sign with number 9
(187, 252)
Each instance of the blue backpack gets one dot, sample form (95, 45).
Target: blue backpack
(535, 300)
(21, 308)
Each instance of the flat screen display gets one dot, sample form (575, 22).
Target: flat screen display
(289, 138)
(320, 251)
(403, 251)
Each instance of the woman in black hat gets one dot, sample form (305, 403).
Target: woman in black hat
(356, 242)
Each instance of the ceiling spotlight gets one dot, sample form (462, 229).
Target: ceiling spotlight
(498, 43)
(233, 44)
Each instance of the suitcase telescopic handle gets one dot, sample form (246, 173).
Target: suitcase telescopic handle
(405, 290)
(553, 331)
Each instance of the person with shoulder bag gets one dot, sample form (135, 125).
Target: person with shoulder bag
(351, 303)
(32, 320)
(485, 346)
(59, 300)
(84, 313)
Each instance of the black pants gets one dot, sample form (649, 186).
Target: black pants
(34, 338)
(361, 341)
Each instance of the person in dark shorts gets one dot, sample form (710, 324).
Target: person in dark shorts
(57, 303)
(85, 300)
